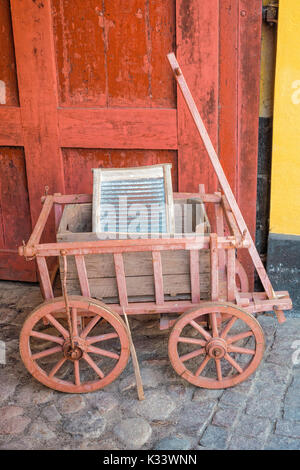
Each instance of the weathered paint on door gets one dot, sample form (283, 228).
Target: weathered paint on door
(93, 88)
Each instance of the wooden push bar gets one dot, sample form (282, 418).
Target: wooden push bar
(221, 177)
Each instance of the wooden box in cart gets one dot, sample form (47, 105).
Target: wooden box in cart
(76, 225)
(80, 343)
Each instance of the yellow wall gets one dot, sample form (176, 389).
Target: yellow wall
(285, 180)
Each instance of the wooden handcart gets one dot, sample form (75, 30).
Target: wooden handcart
(79, 342)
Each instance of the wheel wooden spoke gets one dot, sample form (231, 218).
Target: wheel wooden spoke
(57, 366)
(57, 325)
(183, 339)
(76, 372)
(214, 325)
(201, 330)
(228, 327)
(74, 318)
(103, 352)
(93, 365)
(202, 366)
(237, 349)
(98, 339)
(219, 369)
(233, 363)
(53, 339)
(233, 339)
(192, 354)
(90, 326)
(45, 353)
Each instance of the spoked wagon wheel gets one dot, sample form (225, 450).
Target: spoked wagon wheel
(219, 357)
(88, 360)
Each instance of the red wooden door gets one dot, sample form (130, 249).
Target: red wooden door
(93, 88)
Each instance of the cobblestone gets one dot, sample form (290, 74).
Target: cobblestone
(104, 402)
(292, 412)
(14, 425)
(51, 414)
(263, 407)
(156, 406)
(214, 437)
(233, 398)
(133, 432)
(8, 412)
(195, 416)
(39, 430)
(151, 379)
(89, 425)
(202, 394)
(174, 443)
(282, 443)
(252, 427)
(240, 442)
(262, 412)
(8, 383)
(34, 394)
(71, 404)
(225, 417)
(288, 428)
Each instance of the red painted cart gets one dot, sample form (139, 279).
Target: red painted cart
(78, 343)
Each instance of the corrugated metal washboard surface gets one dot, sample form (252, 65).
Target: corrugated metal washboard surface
(133, 200)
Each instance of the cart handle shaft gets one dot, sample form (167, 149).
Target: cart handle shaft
(220, 174)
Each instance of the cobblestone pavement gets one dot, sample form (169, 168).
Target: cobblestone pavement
(261, 413)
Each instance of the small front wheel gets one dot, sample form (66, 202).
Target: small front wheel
(220, 356)
(95, 357)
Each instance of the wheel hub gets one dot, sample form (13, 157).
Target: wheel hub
(216, 348)
(73, 354)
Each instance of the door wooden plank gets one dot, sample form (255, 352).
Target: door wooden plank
(80, 55)
(248, 113)
(140, 36)
(228, 89)
(197, 51)
(9, 86)
(36, 68)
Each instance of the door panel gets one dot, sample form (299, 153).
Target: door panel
(78, 164)
(114, 55)
(93, 88)
(8, 76)
(15, 225)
